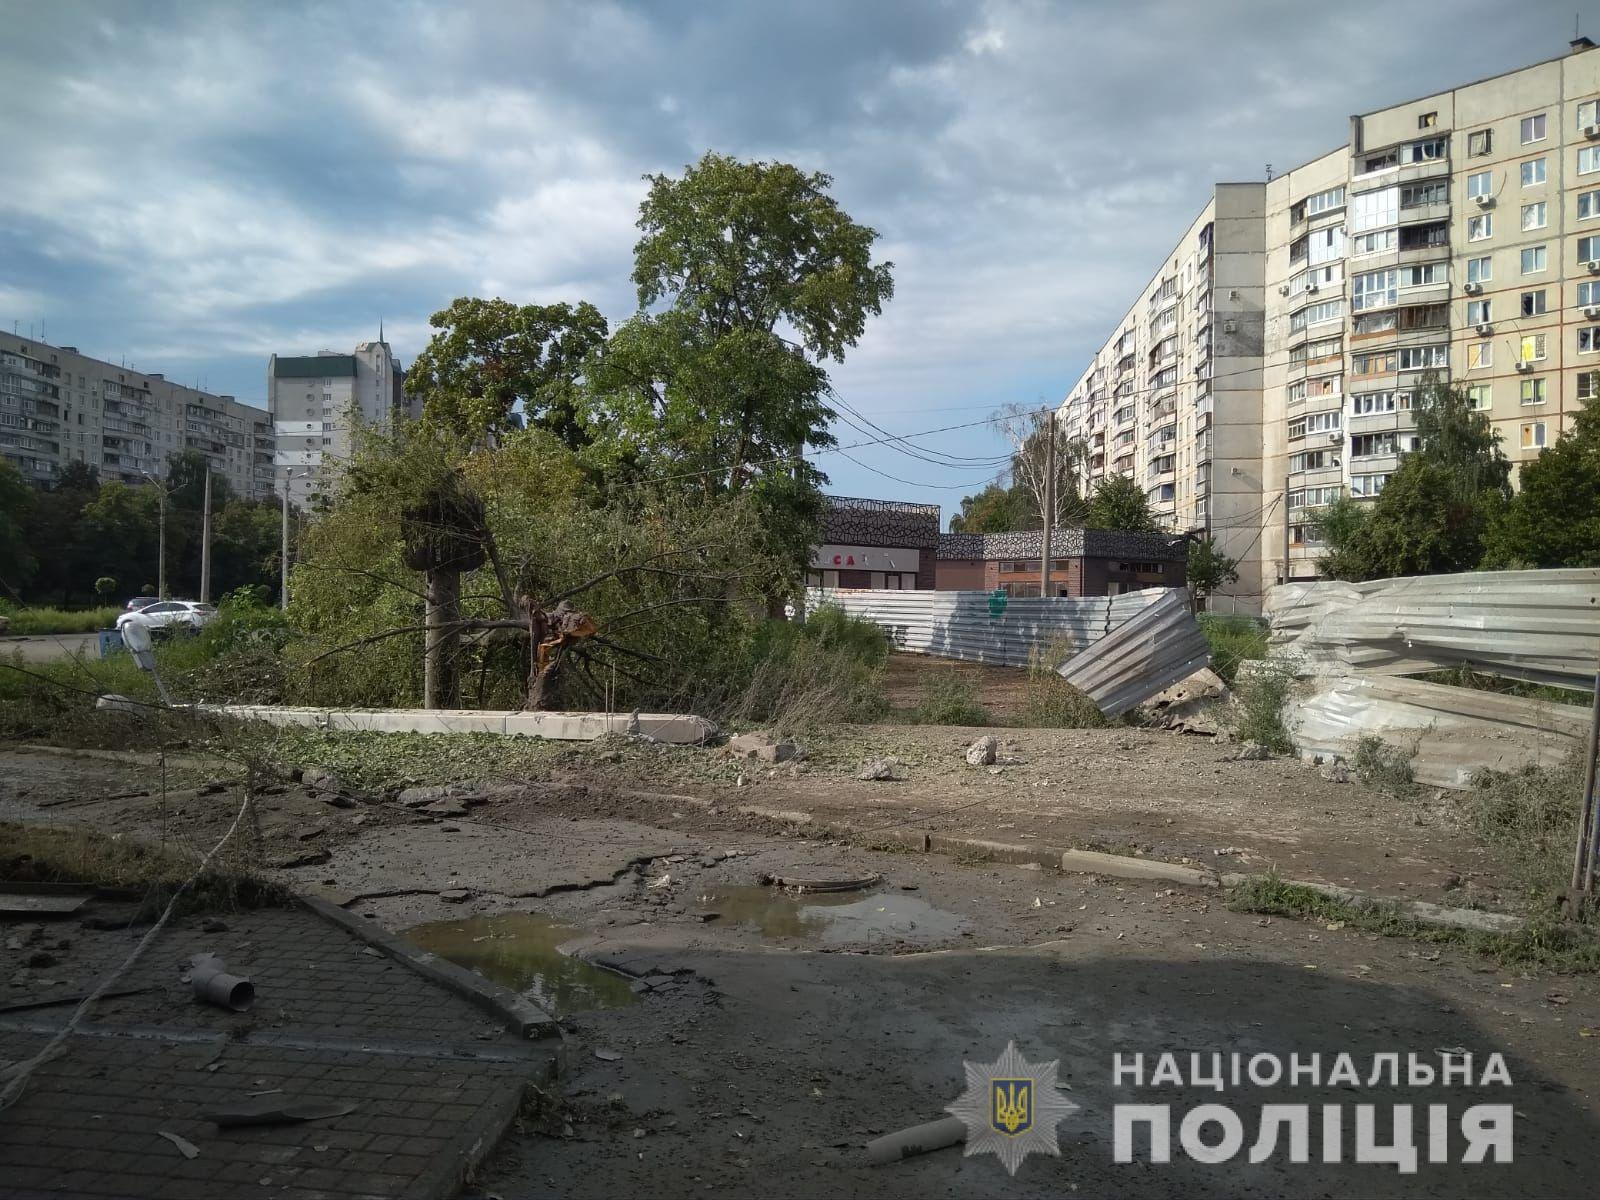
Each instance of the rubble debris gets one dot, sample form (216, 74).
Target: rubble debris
(1336, 772)
(292, 1110)
(982, 752)
(1158, 646)
(455, 895)
(605, 1055)
(300, 858)
(879, 769)
(185, 1147)
(212, 983)
(316, 779)
(1250, 752)
(762, 747)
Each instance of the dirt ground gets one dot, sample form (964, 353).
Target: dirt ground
(765, 1038)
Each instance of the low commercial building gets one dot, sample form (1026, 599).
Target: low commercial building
(875, 544)
(1084, 562)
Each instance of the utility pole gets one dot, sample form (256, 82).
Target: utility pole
(161, 543)
(283, 557)
(1287, 480)
(1049, 501)
(205, 541)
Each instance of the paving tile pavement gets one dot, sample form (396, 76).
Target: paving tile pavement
(433, 1079)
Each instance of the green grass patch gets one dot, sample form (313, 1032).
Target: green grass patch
(1383, 766)
(1233, 639)
(61, 620)
(949, 699)
(1543, 941)
(1259, 698)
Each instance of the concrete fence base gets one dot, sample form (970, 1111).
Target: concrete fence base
(560, 726)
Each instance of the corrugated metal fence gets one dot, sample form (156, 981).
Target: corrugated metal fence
(985, 627)
(1542, 626)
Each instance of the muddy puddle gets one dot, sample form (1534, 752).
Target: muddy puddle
(831, 919)
(518, 951)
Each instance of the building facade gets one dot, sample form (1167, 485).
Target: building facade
(317, 401)
(1084, 562)
(1453, 237)
(58, 406)
(875, 544)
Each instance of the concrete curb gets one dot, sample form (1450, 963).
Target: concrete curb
(521, 1015)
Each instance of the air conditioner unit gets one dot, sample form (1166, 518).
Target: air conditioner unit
(1484, 328)
(1311, 289)
(1524, 365)
(1284, 290)
(1335, 439)
(1591, 131)
(1471, 289)
(1591, 311)
(1483, 201)
(1593, 265)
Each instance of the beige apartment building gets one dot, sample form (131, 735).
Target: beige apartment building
(318, 400)
(59, 406)
(1456, 235)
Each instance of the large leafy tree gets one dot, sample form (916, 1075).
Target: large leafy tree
(1208, 568)
(17, 563)
(1030, 432)
(750, 276)
(1554, 519)
(996, 509)
(493, 365)
(53, 527)
(1120, 503)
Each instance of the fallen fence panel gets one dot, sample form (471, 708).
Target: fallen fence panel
(1541, 626)
(987, 627)
(1150, 651)
(1448, 733)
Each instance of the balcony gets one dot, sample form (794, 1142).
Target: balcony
(1422, 214)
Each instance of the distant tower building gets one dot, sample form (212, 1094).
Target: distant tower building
(317, 401)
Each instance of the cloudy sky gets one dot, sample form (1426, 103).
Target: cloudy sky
(192, 186)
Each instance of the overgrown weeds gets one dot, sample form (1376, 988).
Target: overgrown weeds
(1052, 702)
(1233, 639)
(1541, 942)
(1383, 766)
(950, 699)
(1259, 698)
(1530, 816)
(59, 620)
(800, 676)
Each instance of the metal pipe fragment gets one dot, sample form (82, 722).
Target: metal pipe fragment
(213, 984)
(919, 1139)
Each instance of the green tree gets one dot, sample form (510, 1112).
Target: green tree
(53, 527)
(120, 525)
(1554, 519)
(749, 276)
(1339, 526)
(1209, 568)
(1119, 503)
(491, 357)
(17, 563)
(996, 509)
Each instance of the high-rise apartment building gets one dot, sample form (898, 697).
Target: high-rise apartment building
(59, 406)
(1454, 236)
(318, 400)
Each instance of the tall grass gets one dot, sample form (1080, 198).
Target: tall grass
(1233, 639)
(61, 620)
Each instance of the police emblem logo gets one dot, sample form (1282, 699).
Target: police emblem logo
(1011, 1108)
(1013, 1105)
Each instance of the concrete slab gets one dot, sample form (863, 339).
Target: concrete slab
(676, 729)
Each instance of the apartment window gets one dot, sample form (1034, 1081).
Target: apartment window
(1588, 205)
(1534, 259)
(1533, 392)
(1535, 216)
(1323, 422)
(1374, 210)
(1589, 339)
(1533, 172)
(1478, 397)
(1377, 322)
(1588, 160)
(1370, 445)
(1380, 162)
(1382, 363)
(1423, 358)
(1480, 227)
(1588, 114)
(1480, 270)
(1480, 142)
(1327, 310)
(1373, 403)
(1588, 293)
(1427, 120)
(1326, 201)
(1531, 347)
(1588, 385)
(1480, 183)
(1478, 312)
(1419, 195)
(1533, 435)
(1374, 289)
(1423, 275)
(1368, 484)
(1308, 460)
(1325, 245)
(1588, 249)
(1480, 355)
(1374, 243)
(1429, 151)
(1533, 303)
(1533, 129)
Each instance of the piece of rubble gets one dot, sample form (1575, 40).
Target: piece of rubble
(318, 780)
(1336, 773)
(982, 752)
(1251, 752)
(444, 808)
(455, 895)
(762, 747)
(303, 858)
(879, 769)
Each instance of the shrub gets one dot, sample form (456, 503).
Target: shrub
(1385, 767)
(1233, 639)
(59, 620)
(1531, 814)
(793, 676)
(949, 699)
(1052, 702)
(1259, 697)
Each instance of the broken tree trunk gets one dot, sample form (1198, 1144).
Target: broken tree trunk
(442, 640)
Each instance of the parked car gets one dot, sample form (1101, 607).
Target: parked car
(170, 616)
(139, 602)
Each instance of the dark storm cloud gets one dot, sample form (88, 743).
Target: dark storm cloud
(196, 185)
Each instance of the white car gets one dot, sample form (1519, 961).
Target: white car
(170, 616)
